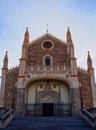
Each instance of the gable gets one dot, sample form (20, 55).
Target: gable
(47, 45)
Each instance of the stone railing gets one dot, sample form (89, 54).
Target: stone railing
(2, 110)
(48, 68)
(89, 117)
(5, 117)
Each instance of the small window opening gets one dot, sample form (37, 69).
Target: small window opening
(48, 61)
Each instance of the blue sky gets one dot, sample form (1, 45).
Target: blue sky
(79, 15)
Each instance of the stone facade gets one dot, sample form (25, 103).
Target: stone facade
(85, 89)
(36, 52)
(48, 74)
(10, 89)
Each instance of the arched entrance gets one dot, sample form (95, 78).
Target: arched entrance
(48, 97)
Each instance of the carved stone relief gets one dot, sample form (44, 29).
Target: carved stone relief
(46, 94)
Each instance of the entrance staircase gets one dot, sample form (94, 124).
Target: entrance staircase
(48, 123)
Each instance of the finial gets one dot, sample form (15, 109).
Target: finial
(26, 28)
(5, 61)
(47, 28)
(89, 57)
(68, 28)
(6, 52)
(69, 39)
(89, 62)
(26, 36)
(88, 52)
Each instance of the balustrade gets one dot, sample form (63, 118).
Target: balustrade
(48, 68)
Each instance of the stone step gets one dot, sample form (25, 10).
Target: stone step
(48, 123)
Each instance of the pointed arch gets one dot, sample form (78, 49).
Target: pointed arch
(47, 60)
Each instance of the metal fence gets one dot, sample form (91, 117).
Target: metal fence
(58, 109)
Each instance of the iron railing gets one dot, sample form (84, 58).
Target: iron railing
(59, 109)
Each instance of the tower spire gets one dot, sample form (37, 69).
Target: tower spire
(69, 43)
(26, 36)
(5, 61)
(89, 62)
(92, 78)
(69, 39)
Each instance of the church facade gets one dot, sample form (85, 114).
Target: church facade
(47, 81)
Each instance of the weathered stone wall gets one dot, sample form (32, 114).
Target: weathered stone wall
(85, 89)
(10, 89)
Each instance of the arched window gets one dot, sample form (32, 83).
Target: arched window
(47, 61)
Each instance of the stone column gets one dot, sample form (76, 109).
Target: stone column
(76, 104)
(20, 108)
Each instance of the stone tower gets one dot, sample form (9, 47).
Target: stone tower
(22, 72)
(3, 80)
(74, 72)
(92, 78)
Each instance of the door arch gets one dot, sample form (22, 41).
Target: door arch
(39, 92)
(48, 96)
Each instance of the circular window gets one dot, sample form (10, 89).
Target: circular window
(47, 45)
